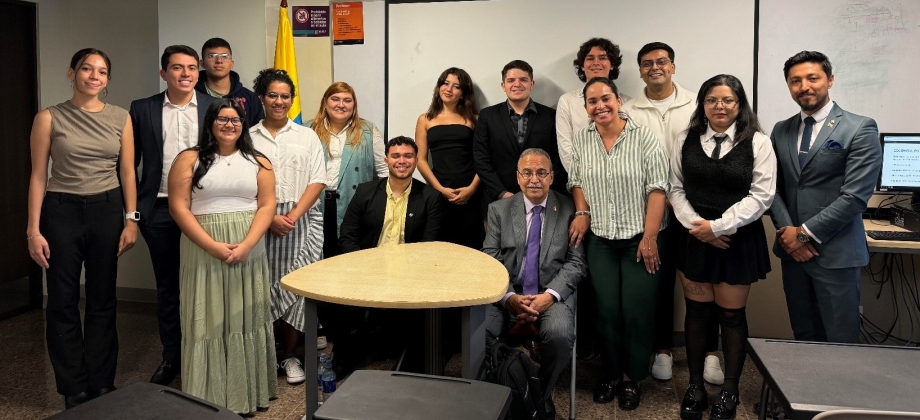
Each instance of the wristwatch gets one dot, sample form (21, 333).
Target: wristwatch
(133, 215)
(801, 235)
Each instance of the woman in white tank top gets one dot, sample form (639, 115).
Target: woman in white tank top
(222, 196)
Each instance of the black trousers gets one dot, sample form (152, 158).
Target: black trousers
(82, 233)
(162, 235)
(330, 225)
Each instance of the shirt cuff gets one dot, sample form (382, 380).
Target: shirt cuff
(556, 295)
(808, 232)
(505, 299)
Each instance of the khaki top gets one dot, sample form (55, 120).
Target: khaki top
(84, 148)
(416, 275)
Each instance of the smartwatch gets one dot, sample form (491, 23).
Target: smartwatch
(801, 235)
(133, 215)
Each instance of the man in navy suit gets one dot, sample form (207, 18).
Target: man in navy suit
(164, 125)
(828, 161)
(506, 129)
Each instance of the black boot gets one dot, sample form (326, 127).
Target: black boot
(695, 402)
(725, 406)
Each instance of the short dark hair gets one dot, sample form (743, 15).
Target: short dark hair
(613, 54)
(808, 57)
(652, 46)
(402, 141)
(517, 64)
(215, 43)
(268, 76)
(604, 80)
(177, 49)
(746, 123)
(80, 56)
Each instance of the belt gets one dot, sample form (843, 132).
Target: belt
(161, 201)
(332, 194)
(113, 194)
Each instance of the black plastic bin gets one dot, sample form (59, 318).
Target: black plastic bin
(143, 401)
(384, 395)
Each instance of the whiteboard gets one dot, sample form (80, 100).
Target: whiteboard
(873, 45)
(709, 37)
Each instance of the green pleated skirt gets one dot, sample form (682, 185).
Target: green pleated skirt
(228, 347)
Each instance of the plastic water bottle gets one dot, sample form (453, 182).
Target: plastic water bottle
(328, 381)
(319, 377)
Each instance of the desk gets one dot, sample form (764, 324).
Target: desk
(891, 247)
(410, 276)
(810, 378)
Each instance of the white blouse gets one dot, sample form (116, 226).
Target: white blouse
(229, 186)
(296, 156)
(337, 142)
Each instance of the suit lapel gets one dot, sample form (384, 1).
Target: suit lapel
(519, 229)
(505, 117)
(550, 217)
(790, 138)
(156, 121)
(830, 124)
(412, 208)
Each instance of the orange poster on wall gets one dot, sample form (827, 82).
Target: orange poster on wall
(348, 23)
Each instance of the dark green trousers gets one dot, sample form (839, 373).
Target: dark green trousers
(626, 301)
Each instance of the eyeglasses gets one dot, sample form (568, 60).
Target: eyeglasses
(228, 120)
(529, 174)
(223, 57)
(284, 96)
(726, 102)
(661, 62)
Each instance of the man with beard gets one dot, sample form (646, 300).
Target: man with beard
(828, 162)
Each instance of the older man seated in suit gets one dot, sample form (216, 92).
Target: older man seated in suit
(528, 233)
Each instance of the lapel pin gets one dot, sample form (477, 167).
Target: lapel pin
(554, 208)
(831, 124)
(410, 214)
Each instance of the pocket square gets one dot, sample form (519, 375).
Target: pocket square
(833, 145)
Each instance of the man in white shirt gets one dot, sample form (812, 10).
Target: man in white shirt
(665, 108)
(164, 125)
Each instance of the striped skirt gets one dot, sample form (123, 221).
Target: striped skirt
(301, 247)
(228, 347)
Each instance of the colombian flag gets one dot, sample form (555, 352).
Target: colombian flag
(286, 59)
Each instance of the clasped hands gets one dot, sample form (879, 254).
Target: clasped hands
(527, 308)
(281, 225)
(229, 253)
(799, 251)
(458, 196)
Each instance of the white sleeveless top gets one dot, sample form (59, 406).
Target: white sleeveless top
(229, 186)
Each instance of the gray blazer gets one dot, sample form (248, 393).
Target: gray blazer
(830, 193)
(561, 266)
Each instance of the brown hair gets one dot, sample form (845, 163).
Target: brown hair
(319, 121)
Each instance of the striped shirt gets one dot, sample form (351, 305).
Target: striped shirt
(616, 185)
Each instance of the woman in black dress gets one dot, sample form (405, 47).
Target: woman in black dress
(446, 131)
(723, 179)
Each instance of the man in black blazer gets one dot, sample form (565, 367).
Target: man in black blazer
(164, 125)
(506, 129)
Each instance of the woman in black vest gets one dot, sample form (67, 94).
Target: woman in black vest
(723, 178)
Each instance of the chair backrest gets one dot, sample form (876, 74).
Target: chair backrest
(865, 415)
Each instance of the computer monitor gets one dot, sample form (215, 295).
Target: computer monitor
(900, 164)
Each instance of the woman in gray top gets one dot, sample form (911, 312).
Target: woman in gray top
(79, 214)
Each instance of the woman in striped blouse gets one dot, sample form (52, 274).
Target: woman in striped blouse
(619, 178)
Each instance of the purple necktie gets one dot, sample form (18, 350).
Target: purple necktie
(531, 276)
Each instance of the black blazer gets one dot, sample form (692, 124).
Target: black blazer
(147, 119)
(364, 217)
(496, 150)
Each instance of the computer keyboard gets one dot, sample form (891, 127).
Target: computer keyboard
(885, 235)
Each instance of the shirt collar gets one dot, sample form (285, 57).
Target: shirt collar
(820, 114)
(531, 108)
(326, 124)
(390, 191)
(290, 125)
(192, 103)
(528, 206)
(730, 133)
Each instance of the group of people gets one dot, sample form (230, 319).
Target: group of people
(610, 196)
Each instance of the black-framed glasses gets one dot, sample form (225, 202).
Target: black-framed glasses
(228, 120)
(726, 102)
(661, 62)
(529, 174)
(284, 96)
(215, 56)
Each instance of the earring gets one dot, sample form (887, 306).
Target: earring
(71, 84)
(105, 92)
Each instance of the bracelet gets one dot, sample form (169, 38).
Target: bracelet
(650, 238)
(29, 238)
(583, 213)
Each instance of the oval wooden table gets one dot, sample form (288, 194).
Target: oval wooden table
(426, 275)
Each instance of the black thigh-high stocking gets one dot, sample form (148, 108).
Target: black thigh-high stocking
(696, 323)
(734, 335)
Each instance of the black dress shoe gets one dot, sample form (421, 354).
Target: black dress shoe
(549, 408)
(165, 374)
(630, 395)
(725, 406)
(103, 391)
(695, 402)
(605, 391)
(71, 401)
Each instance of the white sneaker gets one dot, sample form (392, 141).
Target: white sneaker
(661, 369)
(293, 370)
(712, 371)
(321, 342)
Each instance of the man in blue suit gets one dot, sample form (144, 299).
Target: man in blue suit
(828, 160)
(164, 125)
